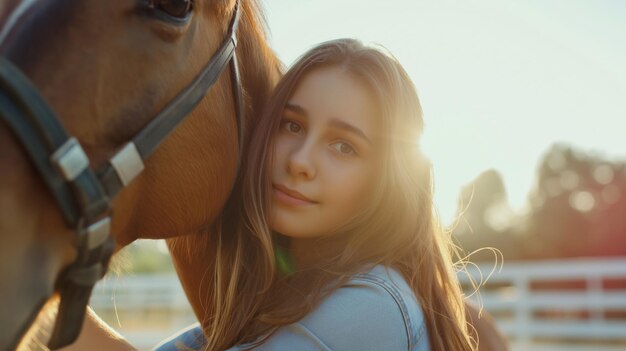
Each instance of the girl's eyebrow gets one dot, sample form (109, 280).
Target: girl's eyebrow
(334, 122)
(339, 124)
(296, 109)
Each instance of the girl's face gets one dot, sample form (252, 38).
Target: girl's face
(325, 155)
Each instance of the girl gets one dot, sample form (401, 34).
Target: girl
(339, 248)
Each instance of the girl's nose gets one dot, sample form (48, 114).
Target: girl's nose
(301, 161)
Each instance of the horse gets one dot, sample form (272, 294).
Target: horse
(105, 69)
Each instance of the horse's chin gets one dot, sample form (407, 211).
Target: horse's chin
(37, 336)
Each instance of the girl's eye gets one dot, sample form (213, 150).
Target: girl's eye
(344, 148)
(291, 127)
(294, 128)
(174, 8)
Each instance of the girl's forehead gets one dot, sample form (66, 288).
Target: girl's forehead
(334, 93)
(329, 86)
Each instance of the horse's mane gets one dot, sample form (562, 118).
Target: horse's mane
(260, 67)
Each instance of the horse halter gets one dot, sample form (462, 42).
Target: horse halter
(84, 196)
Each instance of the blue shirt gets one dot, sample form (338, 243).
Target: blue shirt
(374, 311)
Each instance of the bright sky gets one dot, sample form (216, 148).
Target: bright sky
(499, 81)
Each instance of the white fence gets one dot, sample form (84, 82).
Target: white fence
(573, 304)
(578, 303)
(144, 308)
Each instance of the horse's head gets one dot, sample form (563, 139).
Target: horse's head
(107, 68)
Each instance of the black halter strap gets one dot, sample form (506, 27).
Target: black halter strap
(75, 187)
(84, 197)
(128, 162)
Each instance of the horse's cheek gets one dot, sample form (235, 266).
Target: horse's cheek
(180, 192)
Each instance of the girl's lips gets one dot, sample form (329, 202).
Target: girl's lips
(290, 197)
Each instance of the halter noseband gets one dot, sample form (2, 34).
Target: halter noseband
(84, 196)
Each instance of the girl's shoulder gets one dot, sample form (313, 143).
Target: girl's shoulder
(391, 285)
(374, 310)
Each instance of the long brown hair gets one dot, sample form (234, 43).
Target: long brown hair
(251, 300)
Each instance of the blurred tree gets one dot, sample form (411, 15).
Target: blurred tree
(576, 208)
(485, 218)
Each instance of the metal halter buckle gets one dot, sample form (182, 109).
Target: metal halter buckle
(127, 163)
(70, 159)
(98, 232)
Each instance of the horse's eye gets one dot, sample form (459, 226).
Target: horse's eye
(174, 8)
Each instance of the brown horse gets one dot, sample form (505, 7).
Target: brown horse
(106, 68)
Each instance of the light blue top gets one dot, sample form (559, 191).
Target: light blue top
(374, 311)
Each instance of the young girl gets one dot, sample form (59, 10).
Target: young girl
(339, 248)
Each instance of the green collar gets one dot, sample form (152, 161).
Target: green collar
(284, 260)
